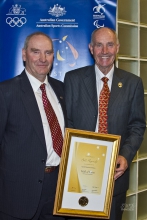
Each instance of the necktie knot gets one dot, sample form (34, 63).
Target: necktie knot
(105, 79)
(42, 87)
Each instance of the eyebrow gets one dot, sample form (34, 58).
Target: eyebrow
(35, 49)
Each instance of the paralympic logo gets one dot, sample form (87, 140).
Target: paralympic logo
(97, 24)
(16, 21)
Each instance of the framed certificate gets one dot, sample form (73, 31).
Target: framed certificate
(86, 174)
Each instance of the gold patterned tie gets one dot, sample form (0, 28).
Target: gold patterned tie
(103, 107)
(53, 122)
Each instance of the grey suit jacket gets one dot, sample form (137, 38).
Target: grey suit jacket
(22, 146)
(126, 110)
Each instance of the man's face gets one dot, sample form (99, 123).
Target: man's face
(104, 49)
(38, 56)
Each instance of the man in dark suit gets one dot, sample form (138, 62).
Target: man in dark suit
(28, 162)
(126, 110)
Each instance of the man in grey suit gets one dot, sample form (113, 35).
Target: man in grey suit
(126, 110)
(28, 162)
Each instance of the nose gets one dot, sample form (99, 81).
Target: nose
(105, 50)
(42, 57)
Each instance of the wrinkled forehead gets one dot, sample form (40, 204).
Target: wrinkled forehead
(40, 41)
(104, 36)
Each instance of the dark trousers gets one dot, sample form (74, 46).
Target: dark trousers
(117, 206)
(46, 204)
(116, 209)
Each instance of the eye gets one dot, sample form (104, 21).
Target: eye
(110, 44)
(97, 44)
(36, 51)
(49, 53)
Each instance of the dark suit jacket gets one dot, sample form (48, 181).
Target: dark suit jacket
(22, 146)
(126, 111)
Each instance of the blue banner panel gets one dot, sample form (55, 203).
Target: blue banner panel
(68, 23)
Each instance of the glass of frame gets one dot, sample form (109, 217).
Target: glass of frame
(86, 174)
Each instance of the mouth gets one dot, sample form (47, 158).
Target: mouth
(105, 57)
(42, 65)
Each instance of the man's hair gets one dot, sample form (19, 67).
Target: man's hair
(35, 34)
(97, 30)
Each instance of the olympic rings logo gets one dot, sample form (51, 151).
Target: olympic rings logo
(16, 21)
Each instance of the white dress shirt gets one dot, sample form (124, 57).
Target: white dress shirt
(99, 86)
(52, 158)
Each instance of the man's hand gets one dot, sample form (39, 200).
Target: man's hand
(122, 165)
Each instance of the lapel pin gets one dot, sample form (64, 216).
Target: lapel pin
(120, 84)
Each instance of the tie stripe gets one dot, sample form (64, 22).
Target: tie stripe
(56, 132)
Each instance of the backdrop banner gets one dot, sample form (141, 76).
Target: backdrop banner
(68, 23)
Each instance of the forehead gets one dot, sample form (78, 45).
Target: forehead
(104, 35)
(38, 41)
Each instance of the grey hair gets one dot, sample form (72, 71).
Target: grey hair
(35, 34)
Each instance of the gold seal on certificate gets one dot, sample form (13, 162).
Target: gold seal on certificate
(83, 201)
(87, 168)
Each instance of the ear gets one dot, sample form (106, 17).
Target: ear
(91, 48)
(24, 54)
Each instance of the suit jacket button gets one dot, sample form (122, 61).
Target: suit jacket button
(39, 181)
(43, 161)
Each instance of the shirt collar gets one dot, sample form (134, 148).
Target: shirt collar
(100, 75)
(35, 83)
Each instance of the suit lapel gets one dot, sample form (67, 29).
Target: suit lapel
(31, 106)
(117, 82)
(90, 83)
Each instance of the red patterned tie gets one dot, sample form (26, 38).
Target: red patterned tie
(103, 107)
(53, 122)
